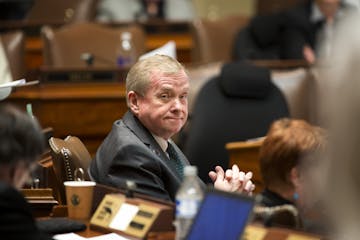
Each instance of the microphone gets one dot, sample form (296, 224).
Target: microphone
(89, 59)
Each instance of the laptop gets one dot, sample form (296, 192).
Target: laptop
(222, 215)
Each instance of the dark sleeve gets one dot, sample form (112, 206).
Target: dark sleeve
(260, 39)
(140, 165)
(245, 47)
(297, 32)
(16, 220)
(293, 42)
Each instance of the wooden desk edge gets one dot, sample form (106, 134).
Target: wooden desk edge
(242, 144)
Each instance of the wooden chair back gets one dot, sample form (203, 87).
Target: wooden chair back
(14, 46)
(65, 46)
(68, 155)
(64, 11)
(214, 39)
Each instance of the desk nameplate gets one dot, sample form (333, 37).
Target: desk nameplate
(82, 75)
(131, 216)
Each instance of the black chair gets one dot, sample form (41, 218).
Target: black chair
(260, 39)
(286, 216)
(238, 105)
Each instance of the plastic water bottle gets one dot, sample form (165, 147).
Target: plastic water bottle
(188, 199)
(126, 53)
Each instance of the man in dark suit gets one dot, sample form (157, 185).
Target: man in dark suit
(139, 146)
(308, 28)
(304, 31)
(21, 143)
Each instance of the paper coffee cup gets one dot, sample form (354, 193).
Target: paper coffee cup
(79, 195)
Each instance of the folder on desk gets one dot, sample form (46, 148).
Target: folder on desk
(222, 215)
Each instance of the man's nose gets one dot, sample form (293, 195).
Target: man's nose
(177, 104)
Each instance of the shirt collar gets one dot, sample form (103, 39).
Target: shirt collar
(316, 14)
(162, 142)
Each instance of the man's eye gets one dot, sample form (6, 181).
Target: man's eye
(184, 96)
(164, 96)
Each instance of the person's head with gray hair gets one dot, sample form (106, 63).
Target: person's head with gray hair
(157, 89)
(140, 75)
(21, 143)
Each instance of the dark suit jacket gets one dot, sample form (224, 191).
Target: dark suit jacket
(130, 152)
(299, 30)
(16, 220)
(272, 199)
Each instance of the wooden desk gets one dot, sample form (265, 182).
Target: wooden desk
(273, 233)
(158, 32)
(283, 64)
(262, 234)
(85, 110)
(41, 201)
(184, 44)
(258, 232)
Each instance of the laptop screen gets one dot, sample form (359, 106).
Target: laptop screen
(222, 215)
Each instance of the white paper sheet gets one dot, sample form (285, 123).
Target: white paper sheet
(74, 236)
(68, 236)
(124, 216)
(13, 83)
(5, 88)
(110, 236)
(168, 49)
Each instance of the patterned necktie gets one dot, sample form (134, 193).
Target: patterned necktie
(175, 160)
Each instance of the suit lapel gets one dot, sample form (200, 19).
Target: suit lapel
(143, 134)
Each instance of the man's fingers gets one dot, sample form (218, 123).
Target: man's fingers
(213, 176)
(235, 172)
(248, 186)
(242, 176)
(228, 174)
(252, 188)
(220, 172)
(248, 176)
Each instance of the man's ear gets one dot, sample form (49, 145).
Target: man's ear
(133, 100)
(294, 177)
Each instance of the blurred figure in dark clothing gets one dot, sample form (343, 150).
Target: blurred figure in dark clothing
(14, 9)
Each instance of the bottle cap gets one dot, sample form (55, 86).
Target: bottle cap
(190, 170)
(126, 35)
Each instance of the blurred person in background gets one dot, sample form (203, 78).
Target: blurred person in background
(131, 10)
(310, 25)
(295, 33)
(21, 144)
(285, 157)
(14, 9)
(337, 180)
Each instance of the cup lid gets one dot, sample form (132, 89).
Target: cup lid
(79, 183)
